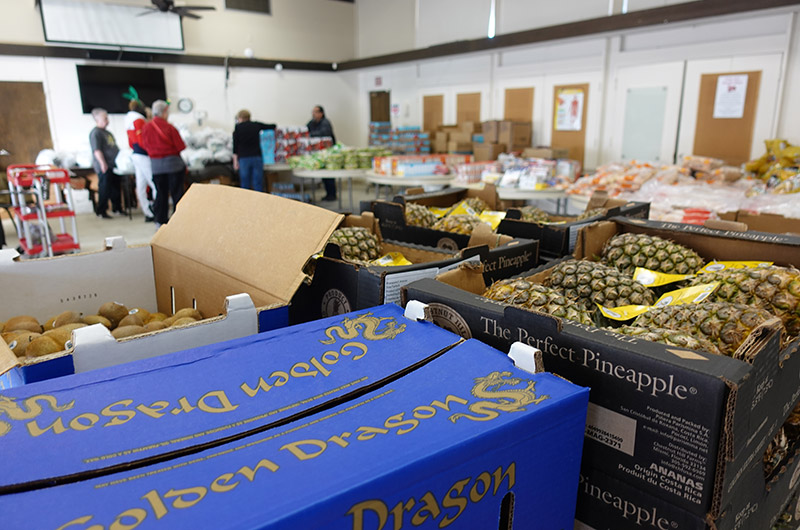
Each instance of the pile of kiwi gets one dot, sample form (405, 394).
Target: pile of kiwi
(28, 338)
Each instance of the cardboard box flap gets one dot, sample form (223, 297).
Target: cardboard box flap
(97, 422)
(484, 420)
(257, 238)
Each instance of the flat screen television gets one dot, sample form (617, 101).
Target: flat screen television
(104, 86)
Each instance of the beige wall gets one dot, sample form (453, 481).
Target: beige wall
(310, 30)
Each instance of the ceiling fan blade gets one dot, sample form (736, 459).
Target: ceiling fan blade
(149, 11)
(188, 14)
(197, 8)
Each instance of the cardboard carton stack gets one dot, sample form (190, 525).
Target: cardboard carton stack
(675, 438)
(336, 422)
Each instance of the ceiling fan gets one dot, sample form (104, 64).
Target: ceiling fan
(168, 6)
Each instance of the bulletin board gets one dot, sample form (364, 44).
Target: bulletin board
(729, 139)
(432, 112)
(519, 104)
(573, 140)
(468, 107)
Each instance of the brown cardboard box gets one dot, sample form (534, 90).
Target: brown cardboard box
(440, 146)
(769, 222)
(461, 137)
(442, 136)
(470, 127)
(545, 152)
(459, 147)
(484, 151)
(490, 131)
(449, 128)
(515, 134)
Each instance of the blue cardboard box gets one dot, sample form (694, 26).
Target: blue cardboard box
(128, 414)
(463, 439)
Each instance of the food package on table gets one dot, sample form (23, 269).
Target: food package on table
(701, 163)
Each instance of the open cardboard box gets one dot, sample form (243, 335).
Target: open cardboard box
(340, 286)
(767, 222)
(557, 238)
(221, 242)
(391, 216)
(382, 417)
(681, 425)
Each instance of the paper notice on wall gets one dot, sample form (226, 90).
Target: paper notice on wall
(731, 93)
(569, 109)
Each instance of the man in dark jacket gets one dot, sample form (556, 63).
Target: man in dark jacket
(317, 127)
(247, 158)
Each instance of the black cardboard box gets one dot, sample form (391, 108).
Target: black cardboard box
(339, 286)
(558, 238)
(696, 420)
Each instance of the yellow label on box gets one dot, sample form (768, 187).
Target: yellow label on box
(392, 259)
(463, 208)
(438, 211)
(688, 295)
(625, 312)
(716, 266)
(654, 278)
(492, 217)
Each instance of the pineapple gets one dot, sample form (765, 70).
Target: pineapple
(776, 289)
(591, 282)
(458, 224)
(628, 251)
(418, 215)
(356, 243)
(591, 213)
(477, 204)
(532, 214)
(521, 292)
(725, 324)
(777, 451)
(670, 337)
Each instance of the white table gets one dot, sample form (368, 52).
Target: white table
(337, 174)
(517, 194)
(278, 166)
(406, 182)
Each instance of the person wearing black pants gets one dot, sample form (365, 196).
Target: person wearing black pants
(104, 155)
(164, 144)
(320, 126)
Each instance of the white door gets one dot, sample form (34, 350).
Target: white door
(642, 123)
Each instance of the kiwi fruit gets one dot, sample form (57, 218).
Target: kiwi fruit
(131, 320)
(183, 321)
(154, 325)
(189, 312)
(67, 317)
(42, 345)
(142, 313)
(63, 333)
(127, 331)
(159, 317)
(97, 319)
(113, 311)
(20, 343)
(50, 324)
(23, 322)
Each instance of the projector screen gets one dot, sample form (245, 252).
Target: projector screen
(76, 22)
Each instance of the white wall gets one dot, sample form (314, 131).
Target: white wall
(442, 21)
(310, 30)
(766, 41)
(384, 26)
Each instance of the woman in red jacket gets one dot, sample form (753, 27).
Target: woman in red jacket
(164, 144)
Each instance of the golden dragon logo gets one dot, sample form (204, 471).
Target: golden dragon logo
(30, 409)
(368, 325)
(508, 400)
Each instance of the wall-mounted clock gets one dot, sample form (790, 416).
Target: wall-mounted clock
(185, 105)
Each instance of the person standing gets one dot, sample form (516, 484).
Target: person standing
(247, 159)
(134, 123)
(164, 144)
(317, 127)
(104, 151)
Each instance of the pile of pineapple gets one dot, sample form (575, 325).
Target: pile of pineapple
(27, 338)
(418, 215)
(744, 299)
(532, 214)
